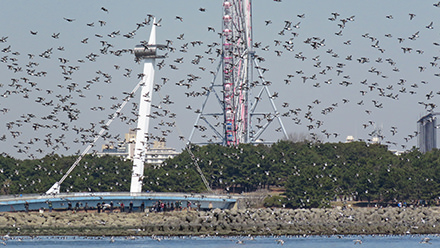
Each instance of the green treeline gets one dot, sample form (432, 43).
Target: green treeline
(93, 174)
(312, 174)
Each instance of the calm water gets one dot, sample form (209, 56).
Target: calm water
(191, 242)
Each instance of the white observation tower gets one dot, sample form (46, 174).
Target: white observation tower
(147, 54)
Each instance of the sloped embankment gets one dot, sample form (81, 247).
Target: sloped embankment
(227, 222)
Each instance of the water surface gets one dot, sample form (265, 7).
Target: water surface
(224, 242)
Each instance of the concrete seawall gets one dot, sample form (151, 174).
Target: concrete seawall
(227, 222)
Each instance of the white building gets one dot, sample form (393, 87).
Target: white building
(156, 154)
(349, 139)
(159, 153)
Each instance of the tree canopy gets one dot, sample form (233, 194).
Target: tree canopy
(312, 174)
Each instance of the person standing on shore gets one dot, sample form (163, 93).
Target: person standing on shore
(130, 207)
(76, 207)
(142, 207)
(26, 206)
(50, 206)
(86, 207)
(122, 207)
(188, 206)
(111, 207)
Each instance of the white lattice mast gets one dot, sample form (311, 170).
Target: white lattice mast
(147, 54)
(237, 42)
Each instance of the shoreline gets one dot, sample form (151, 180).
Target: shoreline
(241, 222)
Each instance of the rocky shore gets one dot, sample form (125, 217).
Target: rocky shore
(227, 222)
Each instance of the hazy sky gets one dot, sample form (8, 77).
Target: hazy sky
(69, 59)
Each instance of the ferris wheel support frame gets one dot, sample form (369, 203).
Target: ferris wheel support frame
(237, 63)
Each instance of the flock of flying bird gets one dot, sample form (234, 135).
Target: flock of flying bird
(385, 83)
(316, 64)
